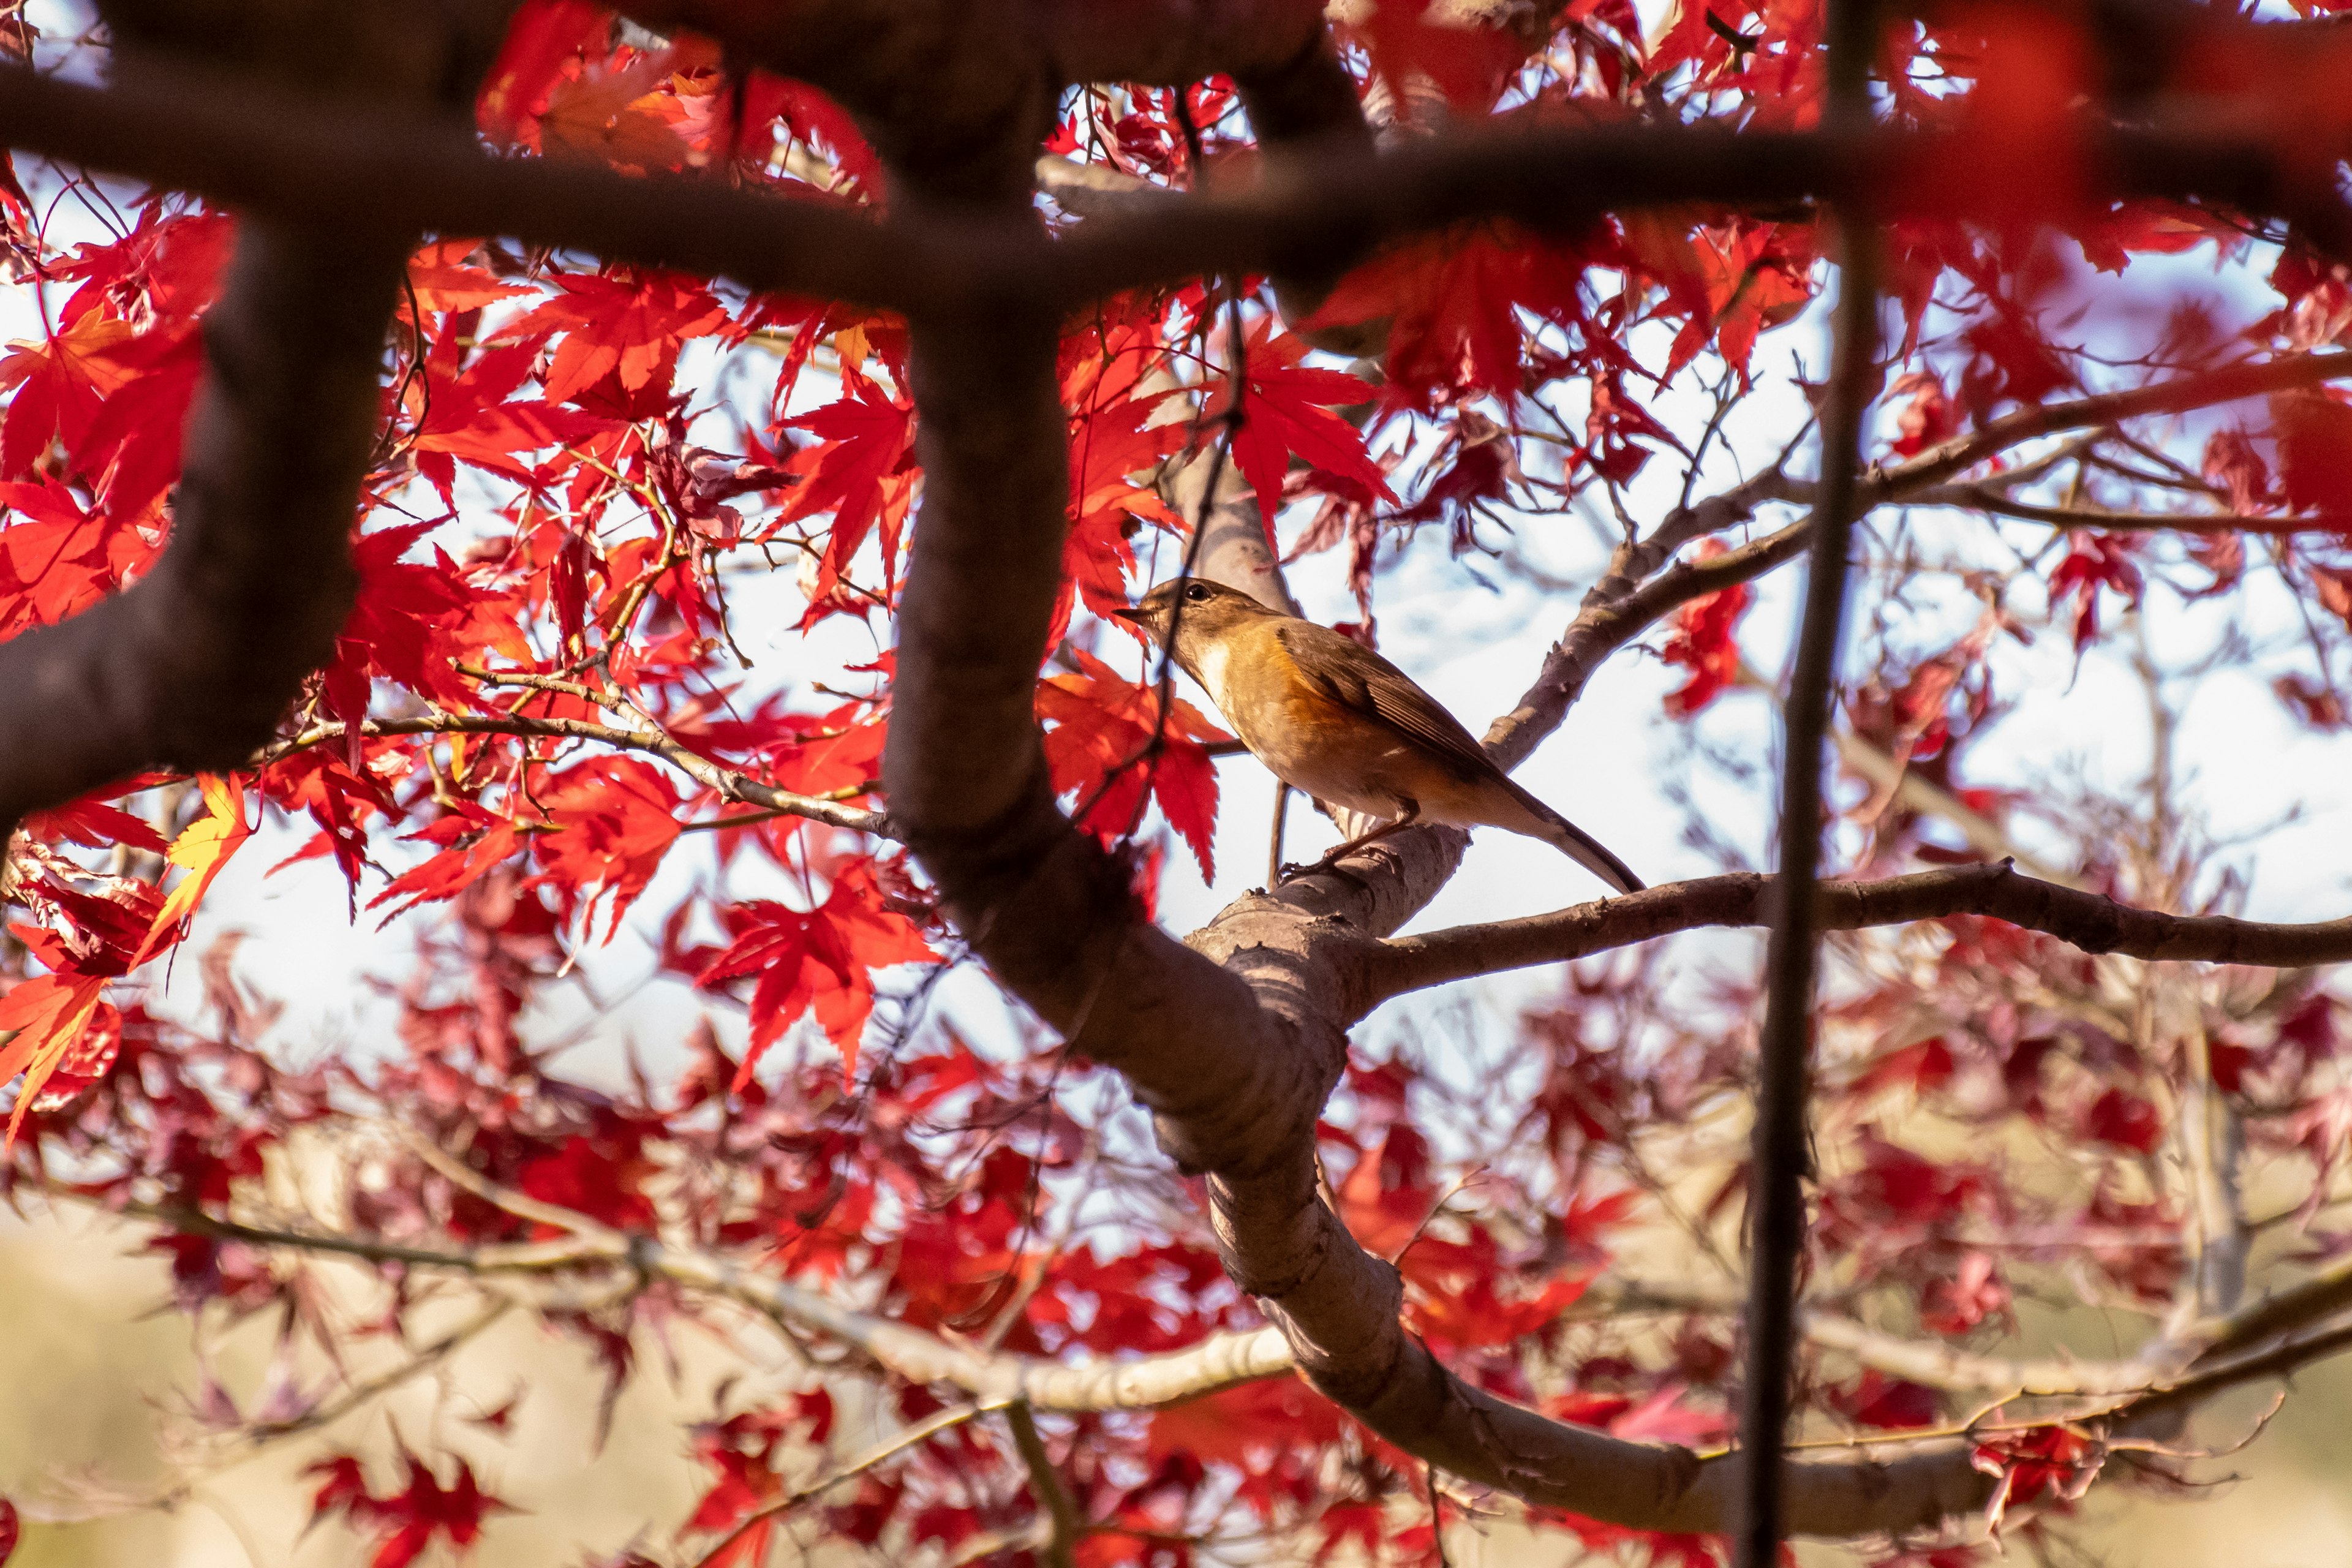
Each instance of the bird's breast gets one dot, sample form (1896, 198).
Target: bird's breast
(1305, 737)
(1211, 666)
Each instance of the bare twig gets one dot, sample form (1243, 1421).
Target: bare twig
(731, 783)
(889, 1448)
(1052, 1497)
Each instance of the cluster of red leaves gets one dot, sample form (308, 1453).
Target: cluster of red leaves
(1109, 748)
(554, 556)
(407, 1520)
(1705, 640)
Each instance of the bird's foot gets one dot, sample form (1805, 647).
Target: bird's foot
(1327, 867)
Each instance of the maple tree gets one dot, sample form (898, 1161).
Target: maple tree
(422, 414)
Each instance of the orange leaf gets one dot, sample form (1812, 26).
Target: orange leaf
(48, 1014)
(201, 848)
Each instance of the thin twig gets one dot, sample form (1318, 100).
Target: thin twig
(1053, 1497)
(881, 1453)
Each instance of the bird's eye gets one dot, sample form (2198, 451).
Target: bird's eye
(1197, 593)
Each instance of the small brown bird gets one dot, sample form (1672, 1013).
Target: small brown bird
(1330, 717)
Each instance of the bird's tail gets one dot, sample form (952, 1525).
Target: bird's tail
(1578, 845)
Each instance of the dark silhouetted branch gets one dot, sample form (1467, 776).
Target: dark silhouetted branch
(1782, 1160)
(337, 165)
(192, 666)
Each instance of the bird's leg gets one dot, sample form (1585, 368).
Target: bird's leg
(1411, 814)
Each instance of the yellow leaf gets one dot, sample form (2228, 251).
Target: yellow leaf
(203, 847)
(849, 342)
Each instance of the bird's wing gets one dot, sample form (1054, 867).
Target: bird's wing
(1353, 674)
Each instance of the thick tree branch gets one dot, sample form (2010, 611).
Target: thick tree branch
(2088, 920)
(339, 166)
(939, 85)
(192, 666)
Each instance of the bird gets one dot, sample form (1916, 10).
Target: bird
(1329, 716)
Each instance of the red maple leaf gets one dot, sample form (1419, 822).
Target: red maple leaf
(1465, 58)
(2011, 363)
(625, 324)
(338, 799)
(1705, 641)
(601, 1177)
(1100, 749)
(92, 822)
(60, 386)
(1929, 419)
(863, 474)
(821, 960)
(544, 37)
(1750, 284)
(2315, 451)
(49, 1015)
(2234, 462)
(56, 557)
(814, 118)
(609, 823)
(1451, 302)
(1875, 1399)
(131, 450)
(1117, 431)
(472, 841)
(408, 1520)
(395, 625)
(1286, 409)
(2056, 1463)
(2125, 1121)
(2093, 561)
(472, 416)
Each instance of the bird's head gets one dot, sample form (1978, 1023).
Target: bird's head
(1193, 610)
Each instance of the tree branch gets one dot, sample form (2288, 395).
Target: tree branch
(1782, 1158)
(731, 783)
(1054, 1499)
(347, 168)
(1987, 498)
(1833, 1495)
(338, 167)
(2088, 921)
(191, 666)
(880, 1453)
(1939, 1365)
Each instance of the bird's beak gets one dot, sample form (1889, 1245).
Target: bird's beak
(1135, 613)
